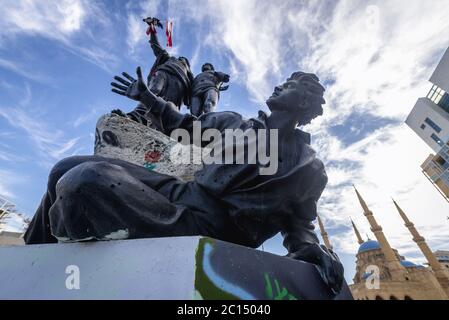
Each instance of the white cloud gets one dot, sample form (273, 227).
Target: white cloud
(50, 142)
(135, 34)
(377, 57)
(61, 21)
(56, 20)
(136, 27)
(8, 155)
(92, 115)
(246, 35)
(4, 188)
(22, 71)
(8, 180)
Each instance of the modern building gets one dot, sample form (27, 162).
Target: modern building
(399, 278)
(436, 169)
(11, 219)
(429, 118)
(8, 238)
(443, 258)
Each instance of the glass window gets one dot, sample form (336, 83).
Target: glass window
(444, 102)
(437, 139)
(436, 94)
(431, 91)
(433, 125)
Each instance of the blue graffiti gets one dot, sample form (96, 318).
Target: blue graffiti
(218, 280)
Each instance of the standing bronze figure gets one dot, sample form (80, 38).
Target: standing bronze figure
(170, 78)
(206, 89)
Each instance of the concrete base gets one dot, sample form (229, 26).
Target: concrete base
(162, 268)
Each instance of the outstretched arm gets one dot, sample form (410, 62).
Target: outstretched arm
(303, 244)
(168, 113)
(300, 238)
(223, 77)
(155, 45)
(137, 90)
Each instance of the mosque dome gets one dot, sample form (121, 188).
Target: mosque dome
(369, 245)
(409, 264)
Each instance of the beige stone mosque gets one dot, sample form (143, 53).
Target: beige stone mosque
(383, 274)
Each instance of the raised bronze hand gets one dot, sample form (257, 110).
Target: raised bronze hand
(131, 88)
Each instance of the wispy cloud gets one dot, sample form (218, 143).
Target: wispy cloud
(9, 156)
(17, 68)
(47, 140)
(63, 21)
(50, 143)
(135, 26)
(50, 19)
(375, 60)
(8, 180)
(92, 115)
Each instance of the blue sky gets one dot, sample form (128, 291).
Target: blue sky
(58, 58)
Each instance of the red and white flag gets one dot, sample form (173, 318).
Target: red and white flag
(169, 32)
(151, 29)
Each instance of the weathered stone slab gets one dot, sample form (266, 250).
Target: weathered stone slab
(161, 268)
(121, 138)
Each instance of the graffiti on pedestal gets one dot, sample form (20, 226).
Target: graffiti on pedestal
(226, 272)
(151, 158)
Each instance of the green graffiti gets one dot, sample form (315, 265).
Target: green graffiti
(280, 293)
(204, 287)
(149, 166)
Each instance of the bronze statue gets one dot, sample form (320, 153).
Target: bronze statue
(169, 78)
(206, 89)
(97, 198)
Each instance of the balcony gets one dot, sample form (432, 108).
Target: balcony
(438, 174)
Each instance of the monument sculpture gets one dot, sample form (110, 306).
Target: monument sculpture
(206, 89)
(103, 198)
(169, 77)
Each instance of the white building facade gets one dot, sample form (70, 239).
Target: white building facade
(429, 118)
(430, 115)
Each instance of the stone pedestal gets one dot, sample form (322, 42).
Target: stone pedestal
(161, 268)
(121, 138)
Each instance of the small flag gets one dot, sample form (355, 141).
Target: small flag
(151, 29)
(169, 32)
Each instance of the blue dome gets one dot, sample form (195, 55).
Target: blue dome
(366, 275)
(409, 264)
(369, 245)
